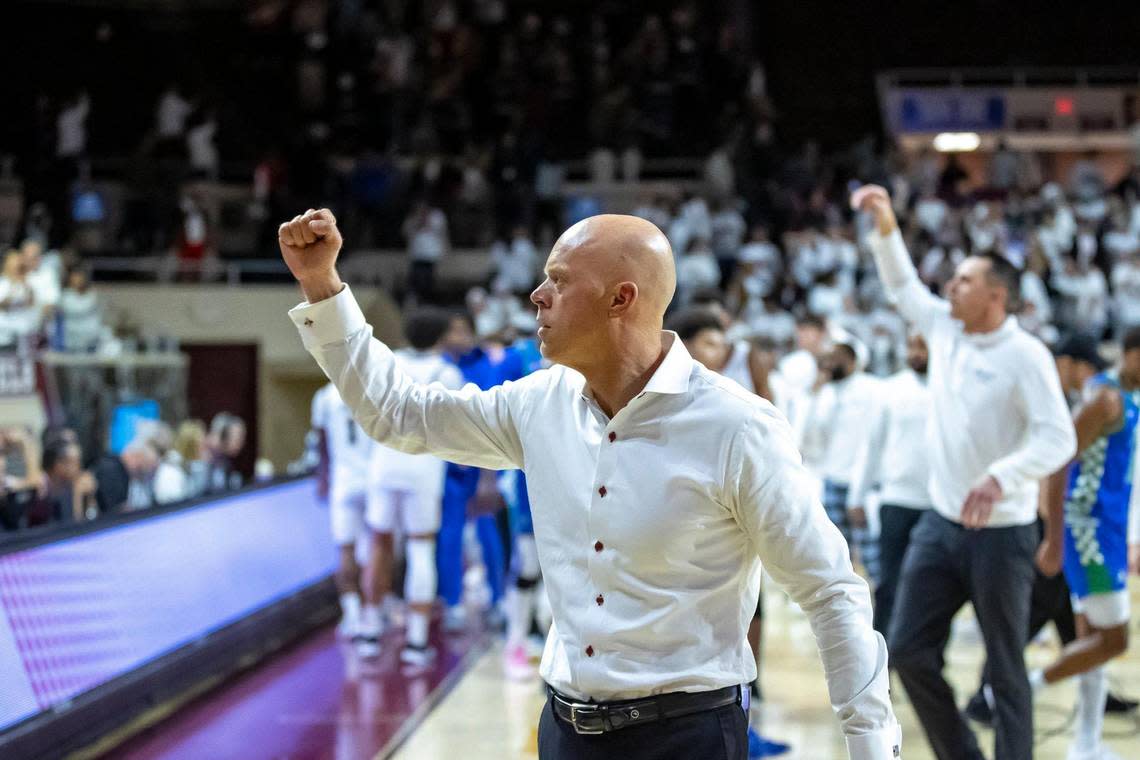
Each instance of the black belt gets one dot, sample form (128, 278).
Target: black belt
(600, 717)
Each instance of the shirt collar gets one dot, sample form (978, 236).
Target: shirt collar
(672, 375)
(1008, 328)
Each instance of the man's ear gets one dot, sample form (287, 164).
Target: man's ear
(624, 296)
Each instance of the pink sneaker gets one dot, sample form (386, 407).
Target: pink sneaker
(516, 663)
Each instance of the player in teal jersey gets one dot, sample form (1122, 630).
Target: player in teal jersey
(1093, 493)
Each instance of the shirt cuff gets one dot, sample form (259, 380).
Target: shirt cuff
(884, 744)
(332, 320)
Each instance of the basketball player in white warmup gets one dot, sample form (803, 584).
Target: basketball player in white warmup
(344, 450)
(657, 486)
(408, 488)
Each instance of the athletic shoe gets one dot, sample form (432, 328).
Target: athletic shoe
(758, 746)
(1103, 753)
(417, 656)
(1116, 704)
(978, 709)
(455, 619)
(495, 619)
(516, 663)
(367, 646)
(346, 628)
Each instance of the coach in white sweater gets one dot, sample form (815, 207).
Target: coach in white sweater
(998, 425)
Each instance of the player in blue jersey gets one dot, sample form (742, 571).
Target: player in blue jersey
(1093, 492)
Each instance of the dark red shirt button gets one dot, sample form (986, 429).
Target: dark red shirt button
(602, 492)
(589, 651)
(600, 600)
(613, 437)
(598, 546)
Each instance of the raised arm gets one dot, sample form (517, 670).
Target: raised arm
(776, 504)
(914, 301)
(467, 426)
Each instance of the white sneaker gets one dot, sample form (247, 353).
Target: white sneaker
(455, 619)
(347, 627)
(366, 646)
(1101, 753)
(418, 656)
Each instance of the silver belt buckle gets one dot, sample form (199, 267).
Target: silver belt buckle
(585, 711)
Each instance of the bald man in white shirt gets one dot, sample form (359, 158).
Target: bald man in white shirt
(657, 486)
(998, 425)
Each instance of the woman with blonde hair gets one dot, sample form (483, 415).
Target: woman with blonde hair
(190, 449)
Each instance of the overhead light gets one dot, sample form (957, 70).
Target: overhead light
(956, 142)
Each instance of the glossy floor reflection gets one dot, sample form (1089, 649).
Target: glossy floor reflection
(316, 701)
(493, 719)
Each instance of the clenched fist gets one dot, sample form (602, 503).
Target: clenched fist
(310, 244)
(877, 202)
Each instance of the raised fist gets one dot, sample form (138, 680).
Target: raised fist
(877, 202)
(310, 244)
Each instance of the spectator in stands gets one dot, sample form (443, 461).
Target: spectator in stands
(43, 278)
(21, 453)
(190, 452)
(80, 313)
(71, 130)
(225, 443)
(696, 270)
(194, 249)
(1126, 291)
(425, 230)
(21, 480)
(19, 314)
(515, 263)
(1084, 292)
(123, 481)
(655, 209)
(728, 227)
(773, 322)
(70, 492)
(171, 114)
(170, 479)
(200, 146)
(799, 368)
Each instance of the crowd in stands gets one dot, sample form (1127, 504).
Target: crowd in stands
(51, 480)
(46, 300)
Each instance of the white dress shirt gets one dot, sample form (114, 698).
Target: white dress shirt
(996, 402)
(652, 572)
(891, 452)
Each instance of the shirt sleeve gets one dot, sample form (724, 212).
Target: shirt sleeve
(868, 457)
(914, 301)
(778, 508)
(1050, 440)
(467, 426)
